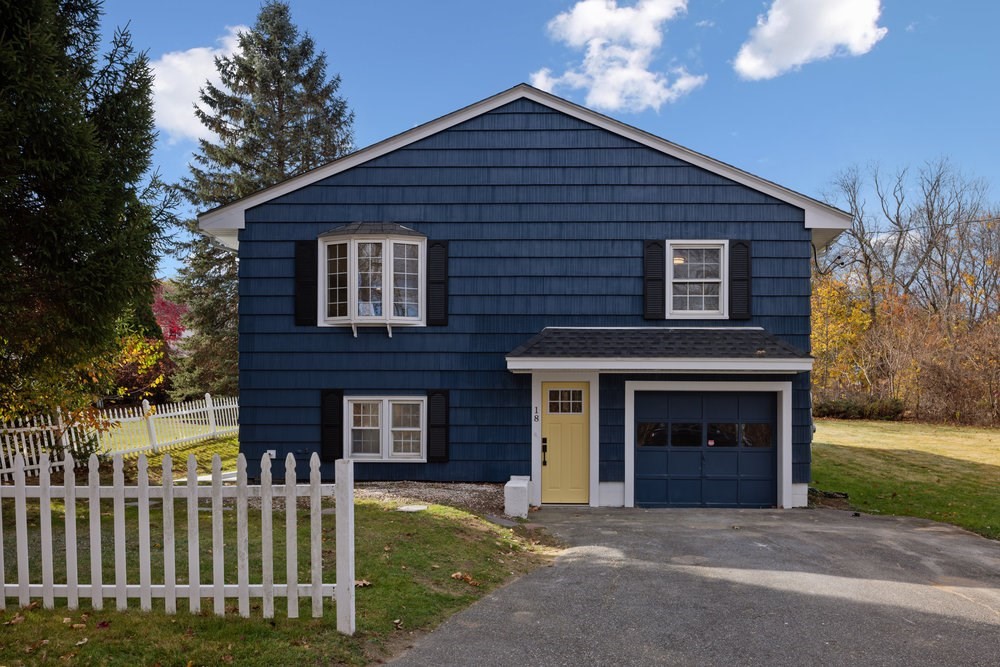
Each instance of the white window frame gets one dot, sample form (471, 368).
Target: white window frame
(385, 454)
(387, 319)
(723, 312)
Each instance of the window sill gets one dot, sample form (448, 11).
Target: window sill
(361, 459)
(694, 315)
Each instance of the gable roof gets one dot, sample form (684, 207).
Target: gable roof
(825, 221)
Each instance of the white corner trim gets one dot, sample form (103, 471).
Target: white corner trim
(612, 494)
(800, 495)
(659, 364)
(817, 215)
(537, 403)
(786, 490)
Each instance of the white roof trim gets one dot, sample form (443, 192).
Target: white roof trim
(659, 364)
(826, 221)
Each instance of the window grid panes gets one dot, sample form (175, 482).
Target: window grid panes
(370, 279)
(696, 283)
(565, 401)
(406, 280)
(406, 432)
(365, 428)
(384, 429)
(336, 269)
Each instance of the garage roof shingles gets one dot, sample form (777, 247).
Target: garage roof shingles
(656, 343)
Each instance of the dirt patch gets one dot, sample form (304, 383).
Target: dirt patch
(476, 498)
(830, 499)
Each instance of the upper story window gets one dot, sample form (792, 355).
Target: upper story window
(697, 281)
(372, 274)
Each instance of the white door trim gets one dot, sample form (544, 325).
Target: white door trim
(784, 418)
(537, 405)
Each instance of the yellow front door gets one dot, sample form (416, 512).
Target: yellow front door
(565, 442)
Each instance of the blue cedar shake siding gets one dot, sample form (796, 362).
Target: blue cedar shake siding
(545, 216)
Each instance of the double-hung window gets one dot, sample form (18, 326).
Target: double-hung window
(372, 280)
(386, 428)
(697, 284)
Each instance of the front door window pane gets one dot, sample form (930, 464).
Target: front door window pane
(370, 279)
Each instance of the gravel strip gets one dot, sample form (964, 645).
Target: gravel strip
(476, 498)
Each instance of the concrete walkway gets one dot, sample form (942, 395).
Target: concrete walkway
(737, 587)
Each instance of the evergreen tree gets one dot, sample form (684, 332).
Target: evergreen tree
(276, 114)
(80, 219)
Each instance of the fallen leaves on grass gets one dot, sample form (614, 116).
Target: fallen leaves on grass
(463, 576)
(18, 618)
(82, 642)
(362, 583)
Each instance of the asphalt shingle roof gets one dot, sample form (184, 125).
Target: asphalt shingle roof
(379, 228)
(656, 343)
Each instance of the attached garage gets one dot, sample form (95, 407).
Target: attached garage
(695, 449)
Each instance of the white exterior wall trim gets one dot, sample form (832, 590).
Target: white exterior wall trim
(827, 221)
(789, 495)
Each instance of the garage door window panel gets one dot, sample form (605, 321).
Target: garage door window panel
(723, 434)
(686, 435)
(758, 435)
(651, 434)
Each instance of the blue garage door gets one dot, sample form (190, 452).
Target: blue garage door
(698, 449)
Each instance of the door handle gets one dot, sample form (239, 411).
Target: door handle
(545, 449)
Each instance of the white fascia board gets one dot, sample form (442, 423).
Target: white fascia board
(658, 364)
(818, 216)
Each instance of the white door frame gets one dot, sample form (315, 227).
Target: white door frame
(784, 419)
(537, 414)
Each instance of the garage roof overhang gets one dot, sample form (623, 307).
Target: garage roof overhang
(658, 350)
(825, 222)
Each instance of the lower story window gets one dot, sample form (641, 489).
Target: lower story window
(386, 428)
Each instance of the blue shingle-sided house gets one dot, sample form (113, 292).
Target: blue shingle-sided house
(527, 287)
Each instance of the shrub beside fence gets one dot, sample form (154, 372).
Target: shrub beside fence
(140, 544)
(130, 430)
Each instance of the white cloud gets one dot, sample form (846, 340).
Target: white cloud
(179, 77)
(705, 23)
(796, 32)
(619, 44)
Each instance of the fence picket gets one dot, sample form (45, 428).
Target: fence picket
(145, 566)
(267, 546)
(291, 545)
(94, 512)
(316, 536)
(242, 537)
(3, 573)
(218, 550)
(169, 568)
(194, 571)
(45, 523)
(21, 531)
(345, 546)
(72, 573)
(118, 495)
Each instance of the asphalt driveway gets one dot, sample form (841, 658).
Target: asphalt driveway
(737, 587)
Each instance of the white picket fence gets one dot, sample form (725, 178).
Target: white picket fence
(132, 430)
(132, 544)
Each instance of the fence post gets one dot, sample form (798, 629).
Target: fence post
(344, 591)
(147, 416)
(211, 413)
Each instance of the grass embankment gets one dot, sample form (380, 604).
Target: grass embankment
(944, 473)
(407, 558)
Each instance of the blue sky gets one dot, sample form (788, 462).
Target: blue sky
(792, 90)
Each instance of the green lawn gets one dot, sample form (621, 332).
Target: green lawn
(945, 473)
(408, 559)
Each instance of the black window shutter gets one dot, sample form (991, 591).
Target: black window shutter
(654, 269)
(437, 426)
(437, 283)
(331, 444)
(739, 280)
(306, 283)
